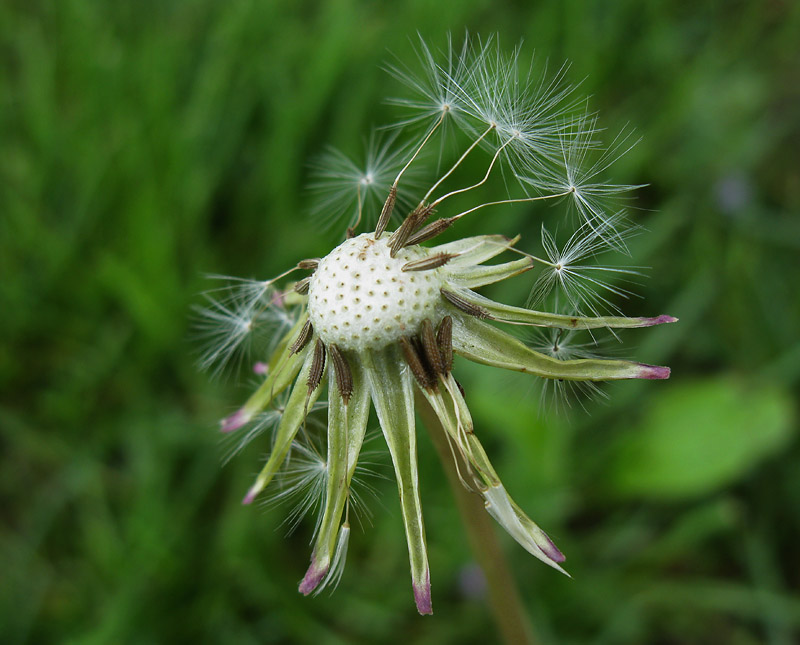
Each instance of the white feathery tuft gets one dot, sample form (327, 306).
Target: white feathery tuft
(437, 91)
(343, 190)
(580, 169)
(239, 318)
(588, 288)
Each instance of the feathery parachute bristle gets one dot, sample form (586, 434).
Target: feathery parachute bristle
(238, 319)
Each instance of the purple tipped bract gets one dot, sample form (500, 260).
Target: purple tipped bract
(552, 550)
(313, 577)
(653, 372)
(234, 421)
(251, 495)
(260, 368)
(660, 320)
(422, 596)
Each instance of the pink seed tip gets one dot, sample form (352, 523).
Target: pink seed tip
(260, 368)
(234, 421)
(653, 372)
(422, 596)
(313, 577)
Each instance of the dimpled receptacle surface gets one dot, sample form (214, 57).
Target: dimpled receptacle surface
(359, 298)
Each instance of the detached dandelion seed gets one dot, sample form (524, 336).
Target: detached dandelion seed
(587, 286)
(379, 318)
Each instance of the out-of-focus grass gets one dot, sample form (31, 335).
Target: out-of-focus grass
(145, 143)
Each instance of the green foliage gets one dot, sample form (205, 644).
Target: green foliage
(146, 143)
(699, 436)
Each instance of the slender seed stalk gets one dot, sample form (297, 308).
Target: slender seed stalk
(480, 183)
(387, 210)
(537, 198)
(456, 164)
(504, 598)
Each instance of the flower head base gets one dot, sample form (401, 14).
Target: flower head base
(382, 316)
(361, 297)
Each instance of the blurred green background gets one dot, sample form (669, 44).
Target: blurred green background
(145, 143)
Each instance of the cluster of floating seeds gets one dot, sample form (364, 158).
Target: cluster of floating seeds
(359, 297)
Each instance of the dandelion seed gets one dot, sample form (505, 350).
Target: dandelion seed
(238, 319)
(533, 112)
(597, 201)
(345, 191)
(586, 287)
(437, 89)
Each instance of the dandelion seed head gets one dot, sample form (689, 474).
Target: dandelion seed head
(436, 88)
(377, 320)
(360, 297)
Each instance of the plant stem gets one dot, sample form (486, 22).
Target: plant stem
(504, 599)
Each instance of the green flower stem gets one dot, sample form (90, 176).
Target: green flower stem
(504, 599)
